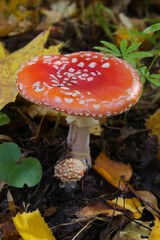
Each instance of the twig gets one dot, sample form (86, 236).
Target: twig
(85, 226)
(141, 198)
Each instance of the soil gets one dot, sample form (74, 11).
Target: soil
(122, 140)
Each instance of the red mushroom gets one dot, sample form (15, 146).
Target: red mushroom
(85, 85)
(69, 170)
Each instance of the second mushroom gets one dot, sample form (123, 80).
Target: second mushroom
(85, 85)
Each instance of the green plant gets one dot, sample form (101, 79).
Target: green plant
(4, 119)
(97, 11)
(153, 28)
(16, 171)
(129, 54)
(134, 57)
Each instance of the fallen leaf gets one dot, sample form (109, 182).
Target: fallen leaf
(50, 211)
(112, 170)
(150, 198)
(133, 231)
(31, 226)
(107, 207)
(96, 130)
(10, 65)
(9, 231)
(132, 204)
(51, 16)
(2, 183)
(2, 51)
(155, 233)
(38, 110)
(11, 204)
(153, 124)
(125, 20)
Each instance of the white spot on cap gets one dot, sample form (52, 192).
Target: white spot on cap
(81, 102)
(84, 75)
(99, 73)
(68, 100)
(92, 64)
(87, 54)
(37, 87)
(106, 58)
(58, 62)
(51, 75)
(81, 64)
(106, 65)
(72, 81)
(74, 60)
(58, 99)
(93, 74)
(21, 86)
(64, 58)
(77, 92)
(54, 66)
(71, 70)
(89, 79)
(30, 63)
(65, 88)
(60, 76)
(96, 107)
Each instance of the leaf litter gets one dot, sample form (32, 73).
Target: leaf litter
(115, 211)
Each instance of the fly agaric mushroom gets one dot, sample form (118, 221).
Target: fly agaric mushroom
(70, 170)
(85, 85)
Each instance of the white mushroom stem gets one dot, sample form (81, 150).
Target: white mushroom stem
(79, 136)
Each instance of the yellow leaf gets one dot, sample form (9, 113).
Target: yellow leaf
(153, 124)
(10, 65)
(2, 51)
(112, 170)
(31, 226)
(98, 208)
(133, 231)
(150, 198)
(132, 204)
(155, 234)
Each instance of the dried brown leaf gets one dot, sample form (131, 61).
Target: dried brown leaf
(112, 171)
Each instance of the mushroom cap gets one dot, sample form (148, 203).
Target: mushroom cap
(82, 83)
(70, 170)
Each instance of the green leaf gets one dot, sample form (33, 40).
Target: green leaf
(4, 119)
(132, 47)
(154, 75)
(29, 171)
(143, 70)
(111, 46)
(140, 54)
(130, 60)
(152, 28)
(143, 35)
(123, 46)
(154, 81)
(99, 9)
(108, 51)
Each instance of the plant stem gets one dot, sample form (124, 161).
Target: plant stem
(56, 125)
(151, 64)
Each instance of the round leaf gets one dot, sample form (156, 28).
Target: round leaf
(4, 119)
(29, 171)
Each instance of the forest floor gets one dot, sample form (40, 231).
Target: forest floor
(123, 138)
